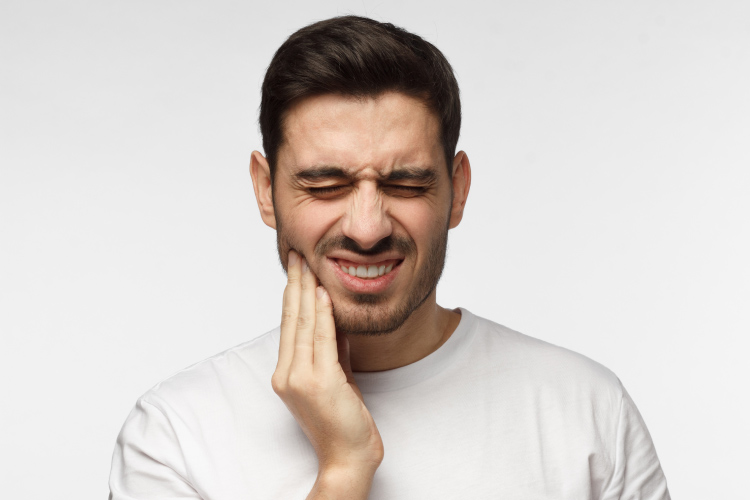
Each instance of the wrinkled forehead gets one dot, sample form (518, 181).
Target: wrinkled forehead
(378, 134)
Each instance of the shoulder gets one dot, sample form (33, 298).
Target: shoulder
(245, 368)
(545, 366)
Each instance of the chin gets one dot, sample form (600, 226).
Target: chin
(371, 314)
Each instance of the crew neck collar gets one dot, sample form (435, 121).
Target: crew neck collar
(430, 365)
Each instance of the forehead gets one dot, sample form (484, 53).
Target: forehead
(360, 134)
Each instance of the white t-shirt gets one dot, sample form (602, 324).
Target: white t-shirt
(491, 414)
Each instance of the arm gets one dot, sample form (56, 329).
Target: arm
(314, 379)
(637, 474)
(148, 462)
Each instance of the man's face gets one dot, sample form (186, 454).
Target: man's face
(363, 193)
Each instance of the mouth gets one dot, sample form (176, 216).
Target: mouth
(367, 271)
(365, 277)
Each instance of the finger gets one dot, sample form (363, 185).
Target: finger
(303, 341)
(289, 311)
(325, 353)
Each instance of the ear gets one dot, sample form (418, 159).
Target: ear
(461, 183)
(261, 175)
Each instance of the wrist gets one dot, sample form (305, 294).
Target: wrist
(343, 482)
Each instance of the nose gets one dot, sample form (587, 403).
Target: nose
(366, 220)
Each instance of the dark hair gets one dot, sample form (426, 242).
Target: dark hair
(358, 57)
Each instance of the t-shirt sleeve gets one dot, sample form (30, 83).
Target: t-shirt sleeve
(148, 462)
(637, 473)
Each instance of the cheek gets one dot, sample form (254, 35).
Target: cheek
(421, 221)
(305, 224)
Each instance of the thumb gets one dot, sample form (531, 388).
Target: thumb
(342, 343)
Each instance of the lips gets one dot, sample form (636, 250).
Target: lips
(366, 270)
(361, 277)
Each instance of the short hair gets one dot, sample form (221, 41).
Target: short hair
(358, 57)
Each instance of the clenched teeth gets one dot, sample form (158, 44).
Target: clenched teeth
(367, 272)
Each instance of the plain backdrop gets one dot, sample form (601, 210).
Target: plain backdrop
(610, 146)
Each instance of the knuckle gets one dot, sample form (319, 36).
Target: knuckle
(321, 337)
(295, 384)
(279, 383)
(287, 316)
(302, 387)
(305, 284)
(303, 322)
(292, 279)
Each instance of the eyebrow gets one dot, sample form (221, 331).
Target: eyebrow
(419, 174)
(320, 173)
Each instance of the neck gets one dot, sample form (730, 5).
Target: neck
(428, 327)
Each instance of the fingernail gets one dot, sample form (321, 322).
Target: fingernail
(320, 292)
(304, 266)
(293, 257)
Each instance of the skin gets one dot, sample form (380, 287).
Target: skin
(341, 192)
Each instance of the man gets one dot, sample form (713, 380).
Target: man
(369, 389)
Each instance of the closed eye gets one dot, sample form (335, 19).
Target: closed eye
(395, 189)
(325, 190)
(402, 190)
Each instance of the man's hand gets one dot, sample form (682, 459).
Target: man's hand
(314, 379)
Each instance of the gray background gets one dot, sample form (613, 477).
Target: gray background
(609, 210)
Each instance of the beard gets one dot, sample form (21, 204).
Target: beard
(371, 314)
